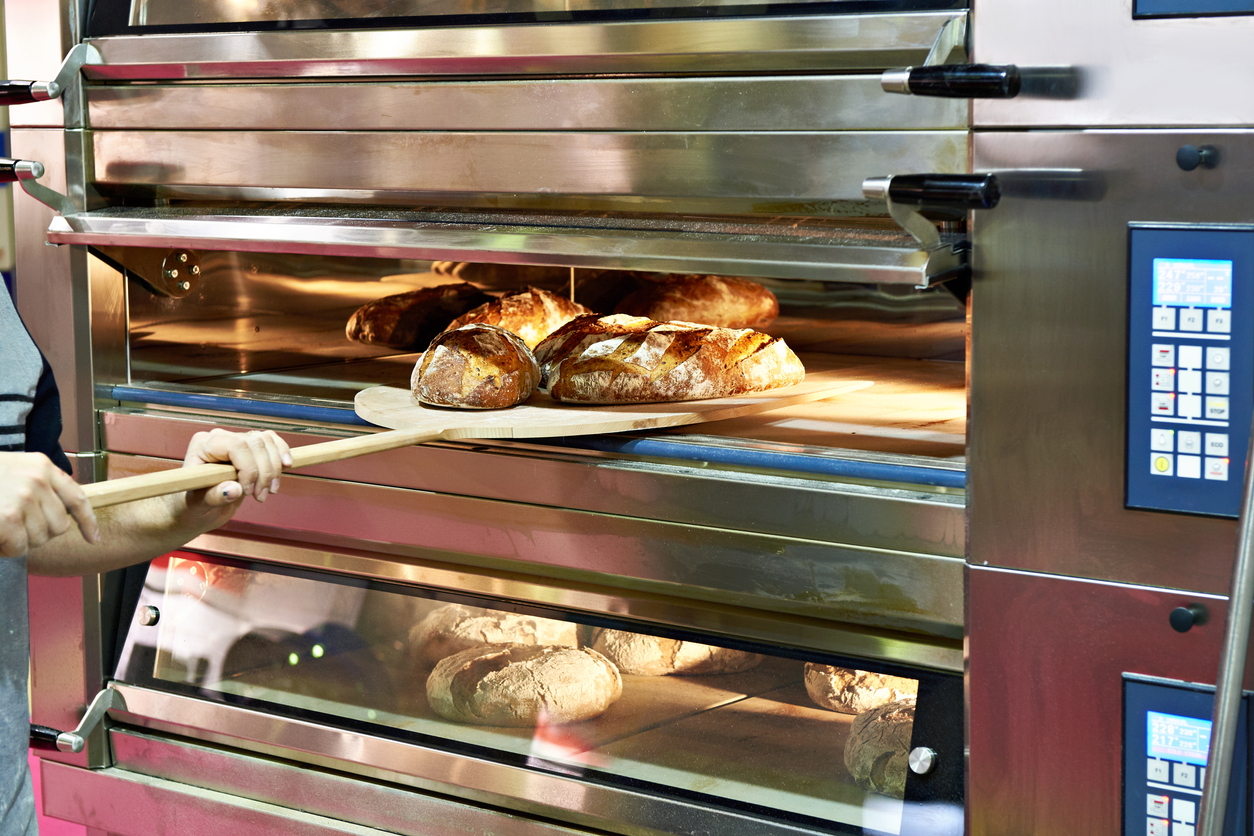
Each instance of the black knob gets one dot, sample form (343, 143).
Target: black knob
(1183, 618)
(1190, 157)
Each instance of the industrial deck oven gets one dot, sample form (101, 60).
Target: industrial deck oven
(231, 180)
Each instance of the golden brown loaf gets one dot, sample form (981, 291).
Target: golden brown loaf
(852, 691)
(409, 321)
(514, 685)
(877, 751)
(644, 655)
(454, 628)
(626, 359)
(709, 300)
(532, 314)
(475, 367)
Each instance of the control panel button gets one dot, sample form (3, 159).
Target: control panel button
(1190, 442)
(1156, 805)
(1189, 406)
(1182, 829)
(1163, 355)
(1216, 383)
(1216, 358)
(1192, 319)
(1163, 404)
(1189, 467)
(1219, 322)
(1163, 440)
(1216, 444)
(1216, 469)
(1190, 356)
(1164, 319)
(1217, 409)
(1183, 775)
(1164, 380)
(1158, 827)
(1158, 770)
(1162, 465)
(1189, 381)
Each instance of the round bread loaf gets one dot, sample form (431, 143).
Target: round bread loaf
(852, 691)
(408, 321)
(454, 628)
(877, 750)
(710, 300)
(645, 655)
(627, 359)
(514, 685)
(475, 367)
(532, 314)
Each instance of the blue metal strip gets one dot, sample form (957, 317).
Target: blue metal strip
(246, 406)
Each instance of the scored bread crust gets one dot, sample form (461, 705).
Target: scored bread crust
(410, 320)
(852, 691)
(532, 314)
(725, 301)
(477, 366)
(626, 359)
(644, 655)
(453, 628)
(516, 685)
(877, 751)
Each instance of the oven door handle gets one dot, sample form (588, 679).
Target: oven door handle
(14, 92)
(45, 737)
(955, 81)
(956, 191)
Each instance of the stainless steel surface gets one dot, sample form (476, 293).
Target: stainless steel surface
(1061, 645)
(1195, 67)
(529, 792)
(37, 35)
(149, 615)
(922, 760)
(768, 251)
(27, 172)
(719, 103)
(836, 42)
(1050, 294)
(794, 171)
(27, 169)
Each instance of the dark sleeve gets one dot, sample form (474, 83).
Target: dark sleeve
(43, 425)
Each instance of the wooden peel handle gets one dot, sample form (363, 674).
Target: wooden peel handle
(176, 480)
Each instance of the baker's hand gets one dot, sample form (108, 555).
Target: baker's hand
(258, 457)
(38, 501)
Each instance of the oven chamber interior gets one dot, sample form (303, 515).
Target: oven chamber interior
(831, 533)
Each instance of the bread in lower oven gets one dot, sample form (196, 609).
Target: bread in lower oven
(644, 655)
(475, 367)
(724, 301)
(409, 321)
(877, 750)
(532, 314)
(453, 628)
(516, 685)
(852, 691)
(626, 359)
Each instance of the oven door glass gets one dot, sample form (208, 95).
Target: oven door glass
(785, 736)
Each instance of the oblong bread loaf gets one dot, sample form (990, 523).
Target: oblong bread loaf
(852, 691)
(724, 301)
(475, 367)
(409, 321)
(454, 628)
(515, 685)
(624, 359)
(532, 314)
(645, 655)
(877, 751)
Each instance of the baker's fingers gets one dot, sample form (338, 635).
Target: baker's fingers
(258, 458)
(75, 505)
(225, 493)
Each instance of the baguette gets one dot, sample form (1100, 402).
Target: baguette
(409, 321)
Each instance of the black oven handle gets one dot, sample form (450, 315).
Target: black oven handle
(955, 81)
(958, 191)
(13, 170)
(25, 92)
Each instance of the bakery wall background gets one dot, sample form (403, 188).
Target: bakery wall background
(308, 161)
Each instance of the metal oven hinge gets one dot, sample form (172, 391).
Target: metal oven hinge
(43, 737)
(952, 35)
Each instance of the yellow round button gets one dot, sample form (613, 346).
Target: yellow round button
(1161, 464)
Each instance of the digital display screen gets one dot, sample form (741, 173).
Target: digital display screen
(1192, 282)
(1176, 738)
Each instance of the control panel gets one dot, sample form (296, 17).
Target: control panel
(1190, 367)
(1166, 739)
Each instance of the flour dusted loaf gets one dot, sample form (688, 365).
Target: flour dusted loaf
(709, 300)
(454, 628)
(475, 367)
(408, 321)
(877, 750)
(532, 314)
(514, 685)
(852, 691)
(644, 655)
(628, 359)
